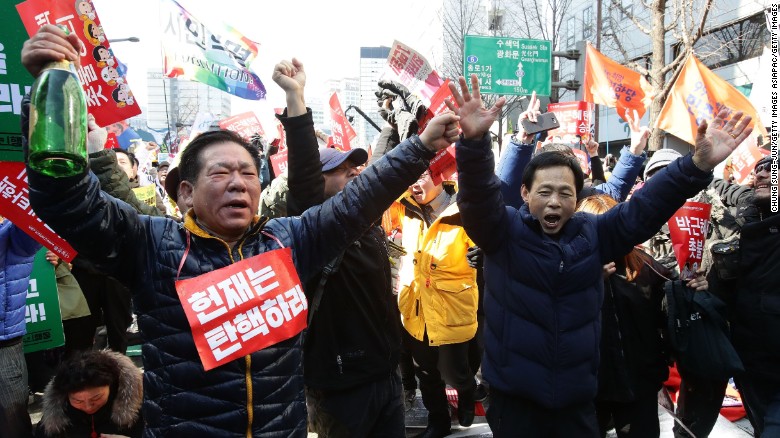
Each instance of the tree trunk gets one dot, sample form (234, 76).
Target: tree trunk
(658, 37)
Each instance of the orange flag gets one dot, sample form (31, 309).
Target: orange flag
(697, 95)
(614, 85)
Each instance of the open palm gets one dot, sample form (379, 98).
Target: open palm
(715, 141)
(475, 119)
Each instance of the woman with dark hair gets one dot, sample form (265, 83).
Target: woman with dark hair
(93, 394)
(633, 363)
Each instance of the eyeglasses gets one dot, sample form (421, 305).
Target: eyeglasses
(762, 167)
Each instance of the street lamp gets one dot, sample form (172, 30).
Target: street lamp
(130, 39)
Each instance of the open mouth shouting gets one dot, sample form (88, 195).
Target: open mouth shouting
(551, 221)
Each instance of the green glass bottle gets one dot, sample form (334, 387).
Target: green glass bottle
(58, 122)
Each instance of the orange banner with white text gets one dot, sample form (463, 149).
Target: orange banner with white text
(606, 82)
(698, 95)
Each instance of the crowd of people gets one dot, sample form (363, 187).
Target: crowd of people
(525, 283)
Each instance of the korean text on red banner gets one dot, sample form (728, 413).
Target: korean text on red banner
(410, 68)
(576, 120)
(109, 98)
(744, 159)
(245, 124)
(15, 205)
(688, 230)
(279, 162)
(343, 134)
(245, 307)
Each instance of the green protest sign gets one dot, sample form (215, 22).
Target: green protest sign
(15, 81)
(42, 312)
(511, 66)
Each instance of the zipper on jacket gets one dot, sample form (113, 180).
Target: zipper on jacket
(560, 268)
(338, 361)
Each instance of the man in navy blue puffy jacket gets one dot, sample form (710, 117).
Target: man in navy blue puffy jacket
(17, 251)
(260, 394)
(543, 268)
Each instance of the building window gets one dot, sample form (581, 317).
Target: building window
(571, 28)
(629, 11)
(587, 22)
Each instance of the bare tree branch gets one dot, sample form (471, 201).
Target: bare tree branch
(617, 4)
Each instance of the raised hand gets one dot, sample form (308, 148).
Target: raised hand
(592, 147)
(441, 131)
(475, 119)
(291, 77)
(531, 113)
(639, 134)
(49, 44)
(96, 137)
(715, 141)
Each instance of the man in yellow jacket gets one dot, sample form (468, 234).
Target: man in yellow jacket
(438, 299)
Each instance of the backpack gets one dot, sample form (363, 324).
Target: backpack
(698, 333)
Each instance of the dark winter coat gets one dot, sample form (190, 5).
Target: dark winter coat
(755, 321)
(354, 336)
(120, 416)
(17, 251)
(262, 393)
(543, 297)
(633, 352)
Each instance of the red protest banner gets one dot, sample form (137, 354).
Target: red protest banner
(109, 98)
(744, 159)
(583, 159)
(244, 307)
(688, 229)
(576, 119)
(437, 105)
(411, 69)
(279, 162)
(443, 166)
(343, 134)
(245, 124)
(111, 141)
(15, 206)
(282, 144)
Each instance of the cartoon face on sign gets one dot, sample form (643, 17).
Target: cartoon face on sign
(123, 96)
(85, 10)
(111, 76)
(103, 56)
(94, 33)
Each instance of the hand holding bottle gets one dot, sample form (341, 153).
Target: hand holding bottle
(50, 43)
(58, 106)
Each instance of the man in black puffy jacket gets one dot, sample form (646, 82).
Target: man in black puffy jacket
(260, 394)
(350, 356)
(755, 321)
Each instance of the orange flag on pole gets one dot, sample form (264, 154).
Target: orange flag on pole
(697, 95)
(614, 85)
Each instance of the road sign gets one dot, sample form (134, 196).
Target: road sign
(510, 66)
